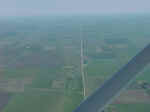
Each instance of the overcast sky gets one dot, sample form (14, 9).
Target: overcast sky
(38, 7)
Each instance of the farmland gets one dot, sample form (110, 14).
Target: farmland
(40, 61)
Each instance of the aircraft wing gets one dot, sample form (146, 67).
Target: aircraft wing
(112, 87)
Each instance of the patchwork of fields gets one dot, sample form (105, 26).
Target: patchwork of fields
(40, 61)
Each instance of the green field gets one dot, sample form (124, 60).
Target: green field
(40, 59)
(133, 108)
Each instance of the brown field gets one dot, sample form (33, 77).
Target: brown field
(4, 98)
(133, 96)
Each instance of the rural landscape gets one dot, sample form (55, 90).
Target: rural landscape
(51, 64)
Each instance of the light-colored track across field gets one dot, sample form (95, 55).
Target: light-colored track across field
(82, 64)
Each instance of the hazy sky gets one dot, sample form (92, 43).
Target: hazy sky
(37, 7)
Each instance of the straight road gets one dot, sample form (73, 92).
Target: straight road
(112, 87)
(82, 67)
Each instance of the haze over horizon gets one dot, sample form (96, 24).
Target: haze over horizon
(46, 7)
